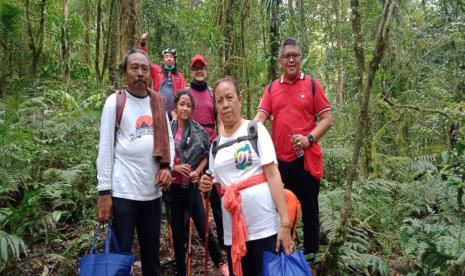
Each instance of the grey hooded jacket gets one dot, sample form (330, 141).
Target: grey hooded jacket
(194, 144)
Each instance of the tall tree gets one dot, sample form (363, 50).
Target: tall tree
(9, 18)
(86, 20)
(272, 12)
(97, 41)
(302, 28)
(364, 87)
(130, 16)
(245, 9)
(228, 36)
(64, 42)
(340, 53)
(36, 41)
(113, 43)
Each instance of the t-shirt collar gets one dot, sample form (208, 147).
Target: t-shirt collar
(302, 77)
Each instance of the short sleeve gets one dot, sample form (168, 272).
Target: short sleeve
(320, 101)
(265, 146)
(265, 102)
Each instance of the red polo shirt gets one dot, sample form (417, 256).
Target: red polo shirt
(293, 107)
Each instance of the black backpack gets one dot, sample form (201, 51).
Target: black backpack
(252, 137)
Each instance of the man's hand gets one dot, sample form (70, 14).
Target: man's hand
(143, 37)
(299, 142)
(163, 178)
(104, 208)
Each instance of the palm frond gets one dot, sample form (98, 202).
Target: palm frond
(9, 18)
(11, 245)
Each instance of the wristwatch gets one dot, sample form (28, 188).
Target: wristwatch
(310, 139)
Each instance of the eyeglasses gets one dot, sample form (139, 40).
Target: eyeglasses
(294, 56)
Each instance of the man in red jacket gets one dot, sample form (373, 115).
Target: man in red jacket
(165, 78)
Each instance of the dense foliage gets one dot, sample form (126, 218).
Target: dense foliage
(409, 202)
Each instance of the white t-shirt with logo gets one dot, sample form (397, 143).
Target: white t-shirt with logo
(127, 168)
(237, 163)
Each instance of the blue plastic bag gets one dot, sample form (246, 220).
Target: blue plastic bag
(106, 263)
(282, 265)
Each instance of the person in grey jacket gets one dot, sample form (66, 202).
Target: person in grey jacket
(192, 148)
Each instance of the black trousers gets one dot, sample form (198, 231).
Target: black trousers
(306, 188)
(145, 217)
(252, 262)
(185, 201)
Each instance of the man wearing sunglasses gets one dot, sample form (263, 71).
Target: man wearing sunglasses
(301, 116)
(166, 79)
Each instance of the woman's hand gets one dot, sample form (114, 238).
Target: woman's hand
(194, 175)
(184, 169)
(205, 183)
(285, 239)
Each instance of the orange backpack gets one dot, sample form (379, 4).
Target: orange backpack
(293, 210)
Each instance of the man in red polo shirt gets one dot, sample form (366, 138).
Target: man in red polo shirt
(295, 101)
(165, 78)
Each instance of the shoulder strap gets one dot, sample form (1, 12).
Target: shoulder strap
(252, 136)
(252, 133)
(312, 83)
(215, 112)
(269, 87)
(120, 102)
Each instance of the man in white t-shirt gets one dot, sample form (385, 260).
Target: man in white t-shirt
(130, 179)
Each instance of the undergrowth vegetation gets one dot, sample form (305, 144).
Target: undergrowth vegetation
(409, 195)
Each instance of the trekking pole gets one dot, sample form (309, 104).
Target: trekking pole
(167, 204)
(189, 248)
(189, 241)
(207, 211)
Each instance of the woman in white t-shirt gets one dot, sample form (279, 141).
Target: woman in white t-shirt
(255, 216)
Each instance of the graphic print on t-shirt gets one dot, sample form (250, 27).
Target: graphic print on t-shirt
(144, 126)
(243, 156)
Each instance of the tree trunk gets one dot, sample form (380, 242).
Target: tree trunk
(302, 28)
(64, 42)
(130, 11)
(245, 8)
(107, 41)
(273, 10)
(292, 17)
(86, 19)
(365, 87)
(340, 54)
(35, 47)
(113, 42)
(97, 41)
(228, 35)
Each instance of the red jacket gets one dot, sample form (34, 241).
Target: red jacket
(157, 74)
